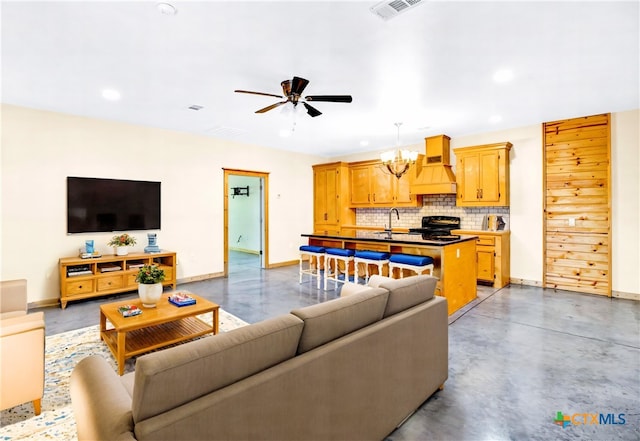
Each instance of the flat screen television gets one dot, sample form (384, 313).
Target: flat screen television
(104, 205)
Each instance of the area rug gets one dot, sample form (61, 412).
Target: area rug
(62, 352)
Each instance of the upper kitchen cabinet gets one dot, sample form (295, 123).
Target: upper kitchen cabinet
(371, 185)
(483, 175)
(330, 196)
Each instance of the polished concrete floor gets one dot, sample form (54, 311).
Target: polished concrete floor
(517, 356)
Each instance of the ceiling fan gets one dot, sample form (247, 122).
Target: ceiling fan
(292, 90)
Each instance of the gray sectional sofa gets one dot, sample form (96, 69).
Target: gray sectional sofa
(352, 368)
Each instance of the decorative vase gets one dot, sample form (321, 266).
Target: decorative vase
(150, 293)
(122, 251)
(153, 246)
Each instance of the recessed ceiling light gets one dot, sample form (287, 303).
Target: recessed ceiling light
(110, 94)
(495, 119)
(166, 8)
(285, 133)
(503, 75)
(364, 143)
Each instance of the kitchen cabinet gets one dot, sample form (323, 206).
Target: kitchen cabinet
(492, 256)
(483, 175)
(330, 197)
(371, 185)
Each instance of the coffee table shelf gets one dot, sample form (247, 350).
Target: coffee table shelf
(154, 337)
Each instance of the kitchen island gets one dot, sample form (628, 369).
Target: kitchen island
(454, 260)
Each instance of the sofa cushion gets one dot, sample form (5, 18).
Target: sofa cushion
(171, 377)
(349, 288)
(408, 292)
(327, 321)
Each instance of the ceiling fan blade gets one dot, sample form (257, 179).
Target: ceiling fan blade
(330, 98)
(286, 87)
(312, 110)
(259, 93)
(298, 84)
(272, 106)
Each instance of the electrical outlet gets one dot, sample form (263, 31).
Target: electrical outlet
(572, 221)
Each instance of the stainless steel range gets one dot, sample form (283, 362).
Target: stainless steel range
(438, 228)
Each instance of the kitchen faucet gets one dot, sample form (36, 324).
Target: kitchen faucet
(391, 210)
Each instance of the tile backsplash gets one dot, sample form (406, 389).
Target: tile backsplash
(432, 205)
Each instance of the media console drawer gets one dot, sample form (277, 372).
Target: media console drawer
(79, 287)
(109, 283)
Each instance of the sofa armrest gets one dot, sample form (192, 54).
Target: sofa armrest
(100, 401)
(22, 323)
(13, 296)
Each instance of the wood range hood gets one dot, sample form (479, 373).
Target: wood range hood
(433, 171)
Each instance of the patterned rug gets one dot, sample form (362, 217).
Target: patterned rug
(63, 351)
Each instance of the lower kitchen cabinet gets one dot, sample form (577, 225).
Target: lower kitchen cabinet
(492, 256)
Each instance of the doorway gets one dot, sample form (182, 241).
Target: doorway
(245, 220)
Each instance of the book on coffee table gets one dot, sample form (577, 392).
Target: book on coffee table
(181, 299)
(129, 310)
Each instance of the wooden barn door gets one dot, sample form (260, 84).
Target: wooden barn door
(577, 208)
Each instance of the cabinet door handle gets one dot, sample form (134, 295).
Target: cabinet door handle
(477, 193)
(326, 216)
(480, 193)
(374, 197)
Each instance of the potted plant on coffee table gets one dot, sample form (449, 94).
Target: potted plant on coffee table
(122, 242)
(150, 278)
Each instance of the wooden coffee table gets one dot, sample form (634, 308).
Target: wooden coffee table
(164, 325)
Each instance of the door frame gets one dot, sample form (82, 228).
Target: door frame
(264, 222)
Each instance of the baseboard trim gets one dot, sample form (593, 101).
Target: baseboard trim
(46, 303)
(200, 277)
(625, 295)
(281, 264)
(526, 282)
(245, 250)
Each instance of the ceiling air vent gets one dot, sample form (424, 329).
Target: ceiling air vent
(390, 8)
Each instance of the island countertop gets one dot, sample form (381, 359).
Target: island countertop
(393, 238)
(454, 260)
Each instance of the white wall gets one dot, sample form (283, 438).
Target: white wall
(40, 149)
(625, 200)
(525, 214)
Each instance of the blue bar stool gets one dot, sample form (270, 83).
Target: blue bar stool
(335, 256)
(380, 259)
(313, 253)
(417, 264)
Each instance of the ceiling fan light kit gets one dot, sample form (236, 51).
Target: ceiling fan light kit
(292, 93)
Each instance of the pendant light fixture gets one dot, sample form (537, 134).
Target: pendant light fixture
(398, 161)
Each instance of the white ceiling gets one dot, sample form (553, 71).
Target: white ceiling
(430, 67)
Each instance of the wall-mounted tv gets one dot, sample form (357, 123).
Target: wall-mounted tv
(105, 205)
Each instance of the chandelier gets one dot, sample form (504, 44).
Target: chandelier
(398, 161)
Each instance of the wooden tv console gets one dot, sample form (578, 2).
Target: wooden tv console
(109, 274)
